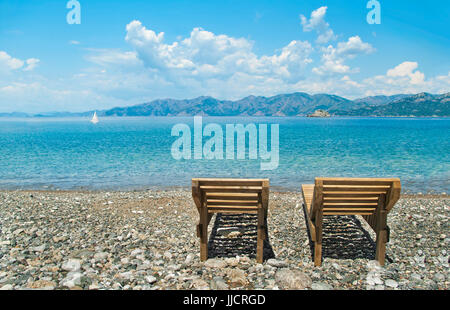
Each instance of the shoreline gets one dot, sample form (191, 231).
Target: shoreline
(273, 189)
(87, 117)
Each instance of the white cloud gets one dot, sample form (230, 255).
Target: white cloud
(74, 42)
(405, 78)
(406, 69)
(333, 58)
(31, 64)
(441, 83)
(112, 57)
(206, 55)
(353, 47)
(403, 69)
(317, 22)
(9, 63)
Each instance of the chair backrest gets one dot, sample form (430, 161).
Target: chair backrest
(230, 195)
(354, 196)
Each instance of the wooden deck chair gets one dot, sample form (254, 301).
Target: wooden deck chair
(230, 196)
(372, 198)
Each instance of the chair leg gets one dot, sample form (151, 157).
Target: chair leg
(204, 235)
(318, 241)
(380, 253)
(317, 254)
(381, 230)
(260, 238)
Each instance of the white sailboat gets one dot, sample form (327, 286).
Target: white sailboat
(94, 119)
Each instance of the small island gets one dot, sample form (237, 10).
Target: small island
(320, 113)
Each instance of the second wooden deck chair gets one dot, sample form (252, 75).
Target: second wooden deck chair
(372, 198)
(230, 196)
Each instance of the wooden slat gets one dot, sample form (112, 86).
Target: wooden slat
(332, 198)
(232, 211)
(307, 192)
(208, 200)
(232, 207)
(228, 182)
(394, 194)
(348, 213)
(349, 209)
(345, 179)
(352, 194)
(196, 194)
(355, 188)
(359, 182)
(232, 189)
(212, 202)
(232, 196)
(350, 204)
(350, 200)
(264, 196)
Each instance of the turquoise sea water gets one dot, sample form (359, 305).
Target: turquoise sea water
(135, 153)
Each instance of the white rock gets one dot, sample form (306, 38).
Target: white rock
(168, 255)
(373, 279)
(72, 279)
(215, 263)
(128, 275)
(17, 231)
(71, 265)
(228, 231)
(189, 259)
(391, 283)
(373, 265)
(136, 252)
(237, 277)
(100, 255)
(292, 279)
(6, 287)
(39, 249)
(276, 263)
(151, 279)
(439, 277)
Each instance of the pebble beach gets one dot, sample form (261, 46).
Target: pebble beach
(146, 240)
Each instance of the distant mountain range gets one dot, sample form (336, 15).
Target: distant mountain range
(295, 104)
(422, 104)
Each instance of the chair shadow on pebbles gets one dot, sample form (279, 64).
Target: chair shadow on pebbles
(344, 237)
(235, 235)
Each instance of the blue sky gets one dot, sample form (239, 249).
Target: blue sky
(129, 52)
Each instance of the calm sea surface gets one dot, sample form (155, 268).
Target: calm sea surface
(135, 153)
